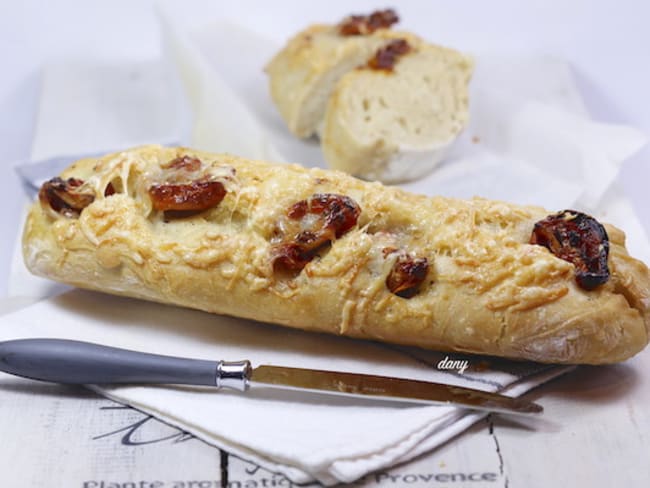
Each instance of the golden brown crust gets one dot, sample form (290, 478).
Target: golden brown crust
(486, 289)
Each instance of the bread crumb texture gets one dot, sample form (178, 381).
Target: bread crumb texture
(385, 103)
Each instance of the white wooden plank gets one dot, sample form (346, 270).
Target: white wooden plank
(595, 431)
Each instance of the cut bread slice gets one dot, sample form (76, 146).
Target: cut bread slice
(303, 75)
(396, 124)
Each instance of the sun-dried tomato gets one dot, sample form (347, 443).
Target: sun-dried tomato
(406, 275)
(359, 25)
(291, 256)
(109, 190)
(298, 210)
(195, 196)
(304, 238)
(65, 196)
(579, 239)
(340, 213)
(386, 57)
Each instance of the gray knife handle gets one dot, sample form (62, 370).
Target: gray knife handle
(64, 361)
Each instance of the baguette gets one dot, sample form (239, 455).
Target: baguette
(386, 104)
(320, 250)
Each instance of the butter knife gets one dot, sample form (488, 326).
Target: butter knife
(74, 362)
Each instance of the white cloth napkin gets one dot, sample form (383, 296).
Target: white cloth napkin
(529, 141)
(304, 436)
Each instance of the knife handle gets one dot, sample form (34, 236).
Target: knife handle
(75, 362)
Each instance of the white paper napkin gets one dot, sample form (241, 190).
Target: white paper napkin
(89, 107)
(530, 141)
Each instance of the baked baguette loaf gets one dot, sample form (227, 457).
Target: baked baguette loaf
(323, 251)
(386, 104)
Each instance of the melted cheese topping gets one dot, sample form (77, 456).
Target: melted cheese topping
(486, 290)
(478, 245)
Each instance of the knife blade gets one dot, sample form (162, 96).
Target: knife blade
(75, 362)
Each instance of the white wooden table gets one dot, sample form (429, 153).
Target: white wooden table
(596, 427)
(594, 433)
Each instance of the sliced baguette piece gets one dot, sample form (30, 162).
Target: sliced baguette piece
(396, 125)
(304, 73)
